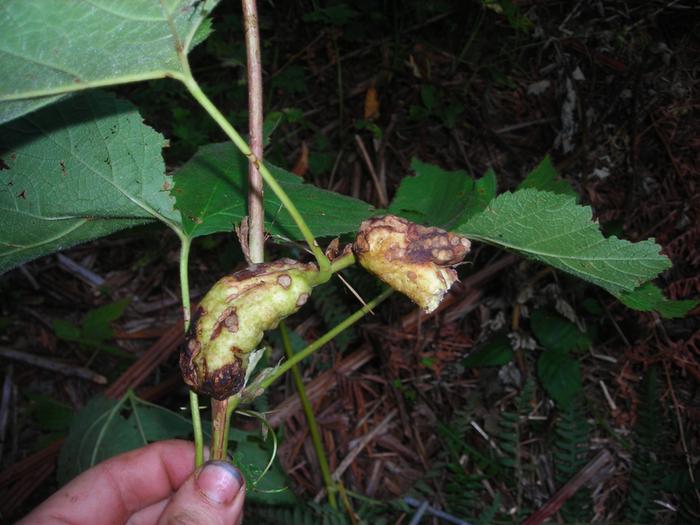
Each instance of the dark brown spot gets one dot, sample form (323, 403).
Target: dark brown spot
(284, 280)
(63, 168)
(225, 381)
(22, 194)
(411, 275)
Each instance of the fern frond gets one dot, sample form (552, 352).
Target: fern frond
(644, 477)
(571, 435)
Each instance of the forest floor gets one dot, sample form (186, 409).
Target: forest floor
(607, 89)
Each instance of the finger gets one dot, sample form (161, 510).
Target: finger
(115, 489)
(148, 515)
(213, 495)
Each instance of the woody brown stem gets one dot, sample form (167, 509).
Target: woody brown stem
(219, 426)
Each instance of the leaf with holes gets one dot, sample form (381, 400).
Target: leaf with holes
(53, 47)
(211, 190)
(553, 229)
(76, 171)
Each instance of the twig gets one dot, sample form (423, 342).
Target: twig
(569, 489)
(48, 364)
(367, 438)
(381, 191)
(681, 432)
(256, 235)
(80, 271)
(435, 512)
(5, 406)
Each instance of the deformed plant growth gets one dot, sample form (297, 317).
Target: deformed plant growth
(79, 164)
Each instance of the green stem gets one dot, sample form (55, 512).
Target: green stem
(241, 144)
(311, 421)
(346, 323)
(194, 400)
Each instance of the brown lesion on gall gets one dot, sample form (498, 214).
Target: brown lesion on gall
(284, 280)
(413, 259)
(225, 381)
(301, 301)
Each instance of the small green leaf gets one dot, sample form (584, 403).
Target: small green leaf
(50, 415)
(53, 47)
(649, 297)
(442, 198)
(338, 14)
(210, 191)
(159, 423)
(66, 330)
(545, 178)
(495, 352)
(553, 229)
(78, 170)
(96, 324)
(560, 375)
(251, 456)
(556, 333)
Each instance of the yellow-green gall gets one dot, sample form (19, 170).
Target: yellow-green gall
(413, 259)
(230, 321)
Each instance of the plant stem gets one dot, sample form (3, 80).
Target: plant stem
(185, 243)
(311, 421)
(220, 417)
(256, 211)
(231, 132)
(330, 334)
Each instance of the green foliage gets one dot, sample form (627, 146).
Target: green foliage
(337, 14)
(210, 191)
(571, 441)
(107, 427)
(553, 229)
(434, 106)
(558, 370)
(495, 352)
(442, 198)
(99, 171)
(558, 334)
(328, 303)
(304, 514)
(544, 177)
(51, 47)
(646, 469)
(649, 297)
(95, 329)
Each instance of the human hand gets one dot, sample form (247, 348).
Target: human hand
(152, 485)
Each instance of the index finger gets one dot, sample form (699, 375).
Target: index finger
(113, 490)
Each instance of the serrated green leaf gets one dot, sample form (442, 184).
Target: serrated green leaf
(649, 297)
(545, 178)
(211, 188)
(556, 333)
(553, 229)
(495, 352)
(75, 171)
(560, 375)
(53, 47)
(442, 198)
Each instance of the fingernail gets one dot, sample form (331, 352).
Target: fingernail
(219, 481)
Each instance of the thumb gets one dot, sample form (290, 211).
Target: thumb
(213, 495)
